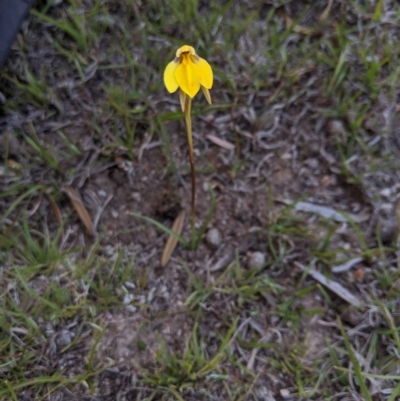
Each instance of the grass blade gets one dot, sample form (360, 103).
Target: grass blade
(354, 361)
(173, 240)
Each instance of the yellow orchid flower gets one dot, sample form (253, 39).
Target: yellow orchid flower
(189, 72)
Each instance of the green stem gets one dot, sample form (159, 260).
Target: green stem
(188, 120)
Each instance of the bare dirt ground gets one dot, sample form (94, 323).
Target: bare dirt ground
(306, 183)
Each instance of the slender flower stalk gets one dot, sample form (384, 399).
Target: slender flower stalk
(189, 73)
(188, 121)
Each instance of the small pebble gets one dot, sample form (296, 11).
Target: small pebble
(313, 163)
(387, 192)
(64, 338)
(256, 259)
(114, 214)
(128, 298)
(336, 127)
(387, 229)
(213, 238)
(129, 285)
(109, 250)
(136, 196)
(150, 295)
(285, 393)
(352, 317)
(130, 308)
(209, 117)
(102, 193)
(48, 329)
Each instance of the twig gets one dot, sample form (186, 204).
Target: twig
(346, 266)
(334, 286)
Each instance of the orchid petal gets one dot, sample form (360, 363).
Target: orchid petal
(206, 74)
(169, 76)
(185, 49)
(182, 98)
(206, 93)
(187, 75)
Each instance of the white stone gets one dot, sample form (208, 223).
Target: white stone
(336, 127)
(150, 295)
(386, 192)
(129, 285)
(256, 259)
(128, 298)
(131, 308)
(285, 393)
(214, 238)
